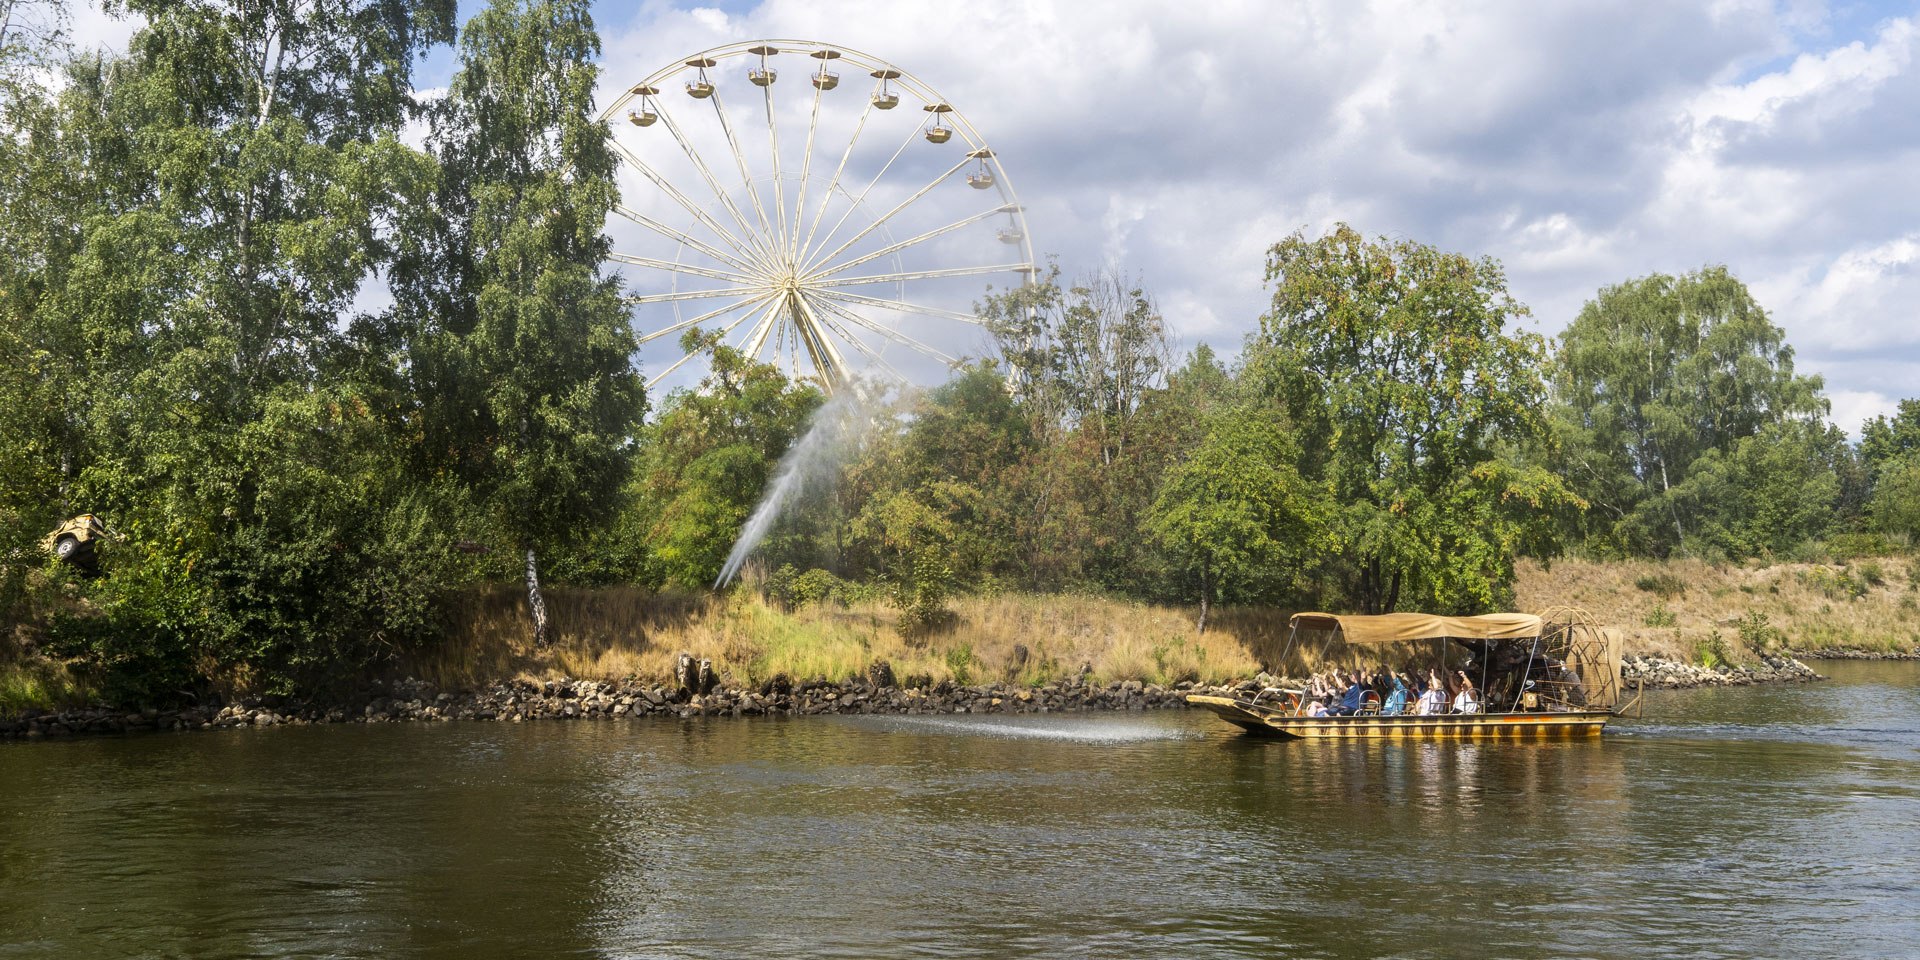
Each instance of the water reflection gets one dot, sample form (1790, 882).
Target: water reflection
(1729, 823)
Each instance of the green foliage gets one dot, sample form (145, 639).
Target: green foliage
(1713, 651)
(1418, 411)
(1673, 393)
(960, 663)
(1872, 574)
(1235, 513)
(1833, 584)
(1660, 616)
(1886, 440)
(1854, 545)
(1665, 585)
(1768, 493)
(707, 459)
(1895, 507)
(1758, 633)
(817, 586)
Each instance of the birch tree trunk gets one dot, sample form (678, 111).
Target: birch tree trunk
(536, 604)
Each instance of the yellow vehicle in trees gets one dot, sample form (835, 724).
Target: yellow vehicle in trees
(73, 541)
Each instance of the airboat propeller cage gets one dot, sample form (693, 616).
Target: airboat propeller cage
(803, 289)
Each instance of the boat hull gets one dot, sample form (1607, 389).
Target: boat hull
(1471, 726)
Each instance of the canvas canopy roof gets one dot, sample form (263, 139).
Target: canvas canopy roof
(1399, 627)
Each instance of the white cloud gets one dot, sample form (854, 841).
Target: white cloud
(1582, 145)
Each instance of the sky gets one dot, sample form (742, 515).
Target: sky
(1581, 144)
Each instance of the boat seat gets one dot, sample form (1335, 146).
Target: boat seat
(1369, 704)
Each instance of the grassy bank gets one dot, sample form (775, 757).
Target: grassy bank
(1684, 610)
(615, 633)
(1703, 613)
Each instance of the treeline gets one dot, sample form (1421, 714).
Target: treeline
(303, 477)
(1388, 439)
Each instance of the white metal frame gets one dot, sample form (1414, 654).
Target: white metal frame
(790, 288)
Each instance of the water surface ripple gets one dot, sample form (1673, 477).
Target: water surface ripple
(1741, 823)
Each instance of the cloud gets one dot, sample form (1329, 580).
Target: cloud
(1581, 145)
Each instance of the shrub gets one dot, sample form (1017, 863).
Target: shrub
(1713, 651)
(817, 586)
(1852, 546)
(1872, 573)
(1758, 633)
(1833, 584)
(1660, 616)
(779, 586)
(960, 663)
(1665, 585)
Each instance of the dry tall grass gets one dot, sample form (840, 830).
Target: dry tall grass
(1692, 610)
(1681, 609)
(619, 632)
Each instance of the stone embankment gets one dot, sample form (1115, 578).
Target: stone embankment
(1655, 672)
(523, 700)
(1862, 654)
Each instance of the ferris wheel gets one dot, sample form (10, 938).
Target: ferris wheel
(862, 247)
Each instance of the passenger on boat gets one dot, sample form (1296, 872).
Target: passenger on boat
(1431, 701)
(1396, 698)
(1350, 701)
(1464, 702)
(1316, 709)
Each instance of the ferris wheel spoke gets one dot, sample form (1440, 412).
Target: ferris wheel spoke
(872, 355)
(834, 184)
(900, 305)
(806, 171)
(904, 244)
(740, 161)
(692, 295)
(888, 332)
(756, 336)
(779, 190)
(806, 254)
(889, 215)
(686, 203)
(673, 267)
(677, 364)
(924, 274)
(747, 232)
(826, 357)
(747, 303)
(680, 237)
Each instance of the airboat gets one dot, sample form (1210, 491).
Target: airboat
(1554, 675)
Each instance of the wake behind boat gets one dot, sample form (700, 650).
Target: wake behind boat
(1501, 676)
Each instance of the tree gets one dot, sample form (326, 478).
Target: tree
(1652, 375)
(193, 223)
(707, 459)
(1235, 511)
(1895, 508)
(1885, 439)
(518, 342)
(1770, 492)
(1416, 410)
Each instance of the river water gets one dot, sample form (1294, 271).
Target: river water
(1770, 822)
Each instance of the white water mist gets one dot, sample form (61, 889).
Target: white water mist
(835, 427)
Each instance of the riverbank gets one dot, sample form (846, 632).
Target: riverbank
(522, 700)
(1697, 612)
(1699, 624)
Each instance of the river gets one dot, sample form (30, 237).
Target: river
(1756, 822)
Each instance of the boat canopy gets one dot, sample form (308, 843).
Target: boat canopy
(1400, 627)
